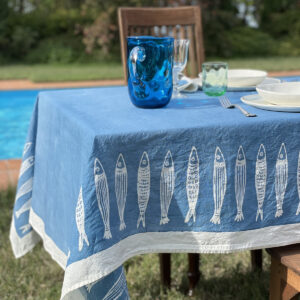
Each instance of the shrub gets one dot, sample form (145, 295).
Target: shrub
(60, 49)
(22, 40)
(245, 41)
(283, 24)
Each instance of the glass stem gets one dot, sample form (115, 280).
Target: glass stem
(175, 82)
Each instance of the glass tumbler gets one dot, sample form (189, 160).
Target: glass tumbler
(214, 78)
(150, 62)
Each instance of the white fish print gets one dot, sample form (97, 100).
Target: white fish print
(167, 184)
(79, 215)
(281, 177)
(219, 184)
(121, 182)
(25, 188)
(298, 184)
(25, 228)
(260, 179)
(102, 194)
(143, 187)
(192, 184)
(117, 289)
(26, 164)
(25, 207)
(26, 148)
(240, 183)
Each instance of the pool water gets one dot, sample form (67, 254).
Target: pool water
(15, 113)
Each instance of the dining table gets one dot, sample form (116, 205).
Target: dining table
(102, 181)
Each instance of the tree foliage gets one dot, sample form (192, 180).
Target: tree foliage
(74, 30)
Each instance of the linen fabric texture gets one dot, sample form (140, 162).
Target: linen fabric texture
(102, 180)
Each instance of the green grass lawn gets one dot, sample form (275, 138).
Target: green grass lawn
(113, 70)
(55, 73)
(37, 276)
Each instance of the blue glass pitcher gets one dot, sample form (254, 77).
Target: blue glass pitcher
(149, 65)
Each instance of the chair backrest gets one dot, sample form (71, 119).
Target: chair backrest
(182, 22)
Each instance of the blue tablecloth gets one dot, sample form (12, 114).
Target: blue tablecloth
(102, 181)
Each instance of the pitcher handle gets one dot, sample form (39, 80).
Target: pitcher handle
(138, 53)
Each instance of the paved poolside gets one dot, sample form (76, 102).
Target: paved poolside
(9, 173)
(27, 84)
(9, 169)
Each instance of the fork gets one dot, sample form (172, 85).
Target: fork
(227, 104)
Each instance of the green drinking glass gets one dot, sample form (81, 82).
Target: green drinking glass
(214, 78)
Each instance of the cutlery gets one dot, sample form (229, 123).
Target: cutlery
(225, 102)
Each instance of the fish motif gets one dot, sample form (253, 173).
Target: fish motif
(26, 164)
(90, 285)
(25, 207)
(167, 184)
(102, 194)
(281, 177)
(25, 188)
(143, 187)
(240, 183)
(219, 184)
(117, 289)
(25, 228)
(192, 184)
(26, 148)
(298, 184)
(79, 215)
(260, 179)
(121, 182)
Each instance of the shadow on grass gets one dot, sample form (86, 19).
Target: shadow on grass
(6, 206)
(223, 277)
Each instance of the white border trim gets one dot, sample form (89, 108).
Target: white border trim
(22, 245)
(101, 264)
(98, 265)
(38, 225)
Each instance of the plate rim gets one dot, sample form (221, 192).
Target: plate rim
(269, 106)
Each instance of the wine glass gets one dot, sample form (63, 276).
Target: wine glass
(181, 47)
(214, 78)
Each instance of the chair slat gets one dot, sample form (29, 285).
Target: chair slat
(182, 32)
(160, 16)
(174, 31)
(131, 30)
(192, 52)
(148, 30)
(138, 30)
(153, 31)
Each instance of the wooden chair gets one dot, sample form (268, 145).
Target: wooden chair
(285, 272)
(179, 22)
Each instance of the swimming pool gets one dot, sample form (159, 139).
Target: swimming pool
(15, 113)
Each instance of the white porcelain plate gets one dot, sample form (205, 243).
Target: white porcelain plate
(267, 80)
(284, 93)
(245, 77)
(257, 101)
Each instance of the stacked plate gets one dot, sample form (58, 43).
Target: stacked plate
(284, 96)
